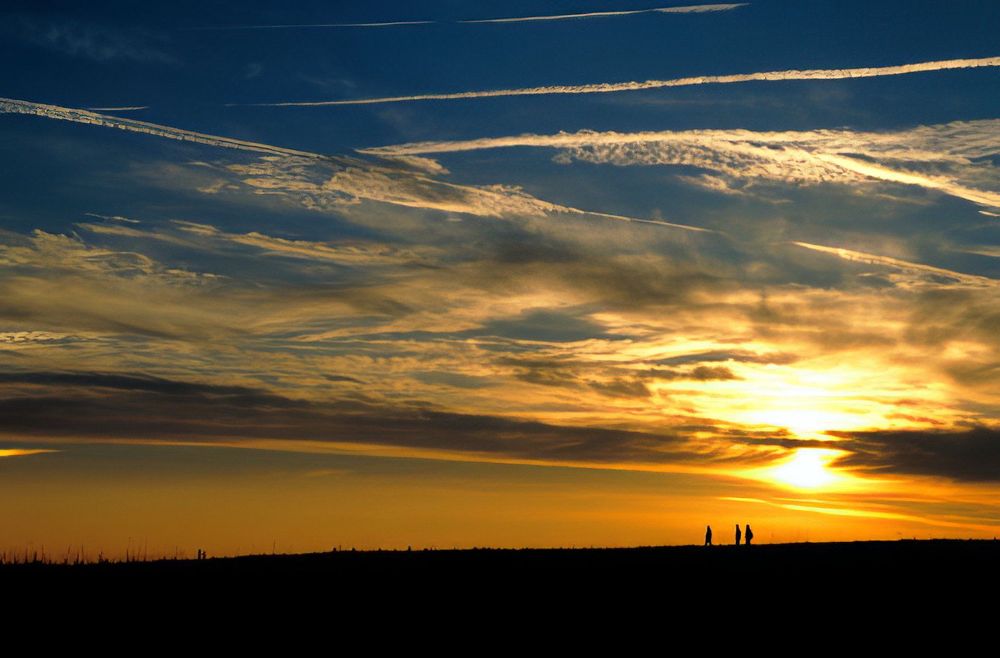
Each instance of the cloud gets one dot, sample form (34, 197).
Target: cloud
(122, 108)
(614, 87)
(925, 274)
(357, 253)
(113, 218)
(954, 158)
(290, 26)
(692, 9)
(333, 185)
(23, 452)
(100, 43)
(598, 342)
(945, 185)
(739, 356)
(14, 106)
(327, 182)
(698, 373)
(26, 340)
(52, 253)
(57, 283)
(955, 142)
(971, 455)
(111, 406)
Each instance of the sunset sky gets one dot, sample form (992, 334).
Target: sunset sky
(290, 276)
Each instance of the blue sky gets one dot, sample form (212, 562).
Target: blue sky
(783, 250)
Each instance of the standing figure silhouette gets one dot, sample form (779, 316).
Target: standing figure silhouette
(738, 534)
(748, 534)
(708, 535)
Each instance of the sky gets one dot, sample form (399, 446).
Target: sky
(287, 277)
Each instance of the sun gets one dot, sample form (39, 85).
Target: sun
(808, 468)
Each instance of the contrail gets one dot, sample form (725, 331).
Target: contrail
(983, 197)
(692, 9)
(310, 25)
(657, 222)
(123, 108)
(886, 261)
(805, 149)
(611, 87)
(13, 106)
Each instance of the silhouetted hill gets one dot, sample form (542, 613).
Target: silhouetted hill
(396, 596)
(914, 562)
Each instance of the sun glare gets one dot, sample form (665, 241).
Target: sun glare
(808, 468)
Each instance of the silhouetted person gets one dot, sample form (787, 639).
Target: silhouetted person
(748, 534)
(738, 534)
(708, 535)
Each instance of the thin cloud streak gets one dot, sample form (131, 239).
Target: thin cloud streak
(373, 183)
(886, 261)
(613, 87)
(124, 108)
(958, 141)
(14, 106)
(309, 25)
(23, 452)
(691, 9)
(882, 173)
(951, 158)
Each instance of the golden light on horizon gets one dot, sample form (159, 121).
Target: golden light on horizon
(22, 452)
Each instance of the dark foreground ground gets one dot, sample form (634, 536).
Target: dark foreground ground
(820, 568)
(901, 591)
(775, 598)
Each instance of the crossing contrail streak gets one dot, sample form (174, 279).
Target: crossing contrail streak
(612, 87)
(296, 26)
(14, 106)
(466, 197)
(691, 9)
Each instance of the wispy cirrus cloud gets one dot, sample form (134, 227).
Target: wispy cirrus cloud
(953, 158)
(615, 87)
(925, 274)
(345, 253)
(101, 43)
(203, 236)
(320, 181)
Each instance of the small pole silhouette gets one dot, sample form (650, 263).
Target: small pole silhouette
(748, 535)
(708, 535)
(738, 534)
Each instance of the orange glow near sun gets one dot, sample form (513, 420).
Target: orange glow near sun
(807, 469)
